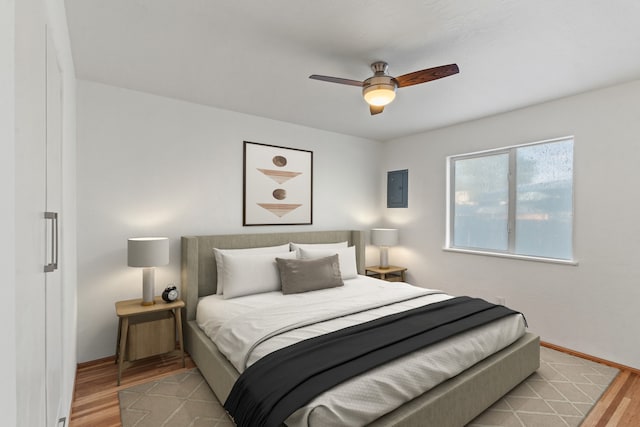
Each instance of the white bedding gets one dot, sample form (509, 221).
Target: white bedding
(247, 328)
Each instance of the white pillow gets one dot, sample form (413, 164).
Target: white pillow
(297, 246)
(346, 257)
(220, 263)
(252, 273)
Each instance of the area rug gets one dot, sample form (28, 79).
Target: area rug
(560, 393)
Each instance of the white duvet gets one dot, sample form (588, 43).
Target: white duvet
(247, 328)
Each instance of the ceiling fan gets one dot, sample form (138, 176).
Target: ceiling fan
(380, 89)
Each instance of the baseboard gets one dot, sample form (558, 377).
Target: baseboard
(589, 357)
(97, 361)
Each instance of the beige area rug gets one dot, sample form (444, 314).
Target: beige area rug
(560, 393)
(181, 400)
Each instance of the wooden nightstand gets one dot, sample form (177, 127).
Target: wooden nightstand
(143, 319)
(391, 274)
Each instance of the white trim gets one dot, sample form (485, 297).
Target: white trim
(495, 150)
(514, 256)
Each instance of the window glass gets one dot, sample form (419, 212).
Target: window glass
(544, 203)
(516, 200)
(481, 202)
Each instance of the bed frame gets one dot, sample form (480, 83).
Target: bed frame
(452, 403)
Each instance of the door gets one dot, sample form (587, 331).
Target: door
(53, 202)
(38, 190)
(30, 199)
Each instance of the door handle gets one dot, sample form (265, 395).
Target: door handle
(53, 265)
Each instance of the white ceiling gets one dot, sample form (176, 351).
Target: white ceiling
(255, 56)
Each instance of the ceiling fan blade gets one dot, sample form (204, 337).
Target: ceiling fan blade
(427, 75)
(374, 109)
(336, 80)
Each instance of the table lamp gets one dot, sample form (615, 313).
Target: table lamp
(384, 237)
(148, 252)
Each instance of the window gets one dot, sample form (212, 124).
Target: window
(515, 201)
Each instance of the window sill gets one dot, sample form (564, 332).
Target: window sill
(513, 256)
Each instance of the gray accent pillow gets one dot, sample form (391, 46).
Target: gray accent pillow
(303, 275)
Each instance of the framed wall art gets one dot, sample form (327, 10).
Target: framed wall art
(278, 185)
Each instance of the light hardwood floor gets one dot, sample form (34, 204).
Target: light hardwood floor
(95, 398)
(619, 405)
(95, 402)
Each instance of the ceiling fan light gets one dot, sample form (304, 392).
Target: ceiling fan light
(380, 94)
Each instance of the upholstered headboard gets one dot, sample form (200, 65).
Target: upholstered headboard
(199, 274)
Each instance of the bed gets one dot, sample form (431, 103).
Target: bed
(454, 402)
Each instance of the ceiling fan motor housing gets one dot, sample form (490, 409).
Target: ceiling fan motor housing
(379, 90)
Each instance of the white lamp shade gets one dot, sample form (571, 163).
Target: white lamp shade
(384, 236)
(147, 251)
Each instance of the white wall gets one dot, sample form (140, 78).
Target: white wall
(7, 216)
(149, 165)
(592, 307)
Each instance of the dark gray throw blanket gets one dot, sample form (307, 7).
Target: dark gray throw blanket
(277, 385)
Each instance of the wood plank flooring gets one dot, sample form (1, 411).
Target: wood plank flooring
(95, 402)
(95, 399)
(619, 406)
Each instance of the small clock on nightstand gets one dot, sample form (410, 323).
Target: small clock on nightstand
(393, 273)
(170, 294)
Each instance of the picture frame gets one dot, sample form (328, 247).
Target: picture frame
(277, 185)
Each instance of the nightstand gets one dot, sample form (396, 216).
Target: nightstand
(153, 326)
(391, 274)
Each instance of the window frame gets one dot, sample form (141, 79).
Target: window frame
(511, 151)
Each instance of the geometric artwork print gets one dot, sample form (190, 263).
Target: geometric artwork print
(277, 185)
